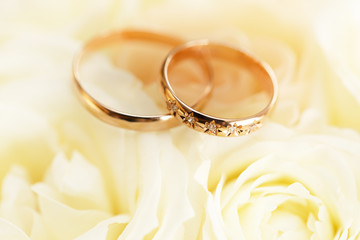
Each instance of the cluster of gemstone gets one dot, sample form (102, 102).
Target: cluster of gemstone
(211, 127)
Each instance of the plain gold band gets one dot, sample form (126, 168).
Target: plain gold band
(117, 118)
(211, 124)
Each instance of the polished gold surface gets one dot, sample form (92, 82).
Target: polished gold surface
(206, 123)
(122, 119)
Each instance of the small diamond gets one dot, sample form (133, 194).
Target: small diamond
(190, 119)
(211, 128)
(174, 108)
(233, 130)
(171, 105)
(252, 127)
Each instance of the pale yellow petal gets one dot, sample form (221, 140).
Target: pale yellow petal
(62, 221)
(29, 131)
(102, 231)
(80, 183)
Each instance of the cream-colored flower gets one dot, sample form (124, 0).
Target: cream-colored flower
(66, 175)
(293, 185)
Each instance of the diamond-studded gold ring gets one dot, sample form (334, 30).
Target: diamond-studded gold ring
(212, 125)
(123, 119)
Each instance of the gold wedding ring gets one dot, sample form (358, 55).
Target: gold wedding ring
(118, 118)
(210, 124)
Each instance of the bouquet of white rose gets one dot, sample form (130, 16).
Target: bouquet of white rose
(66, 175)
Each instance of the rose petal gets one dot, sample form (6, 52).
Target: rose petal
(34, 137)
(145, 218)
(175, 206)
(17, 199)
(103, 229)
(11, 231)
(80, 183)
(63, 221)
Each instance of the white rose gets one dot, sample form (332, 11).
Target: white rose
(293, 185)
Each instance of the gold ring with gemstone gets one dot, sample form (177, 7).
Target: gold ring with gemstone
(211, 124)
